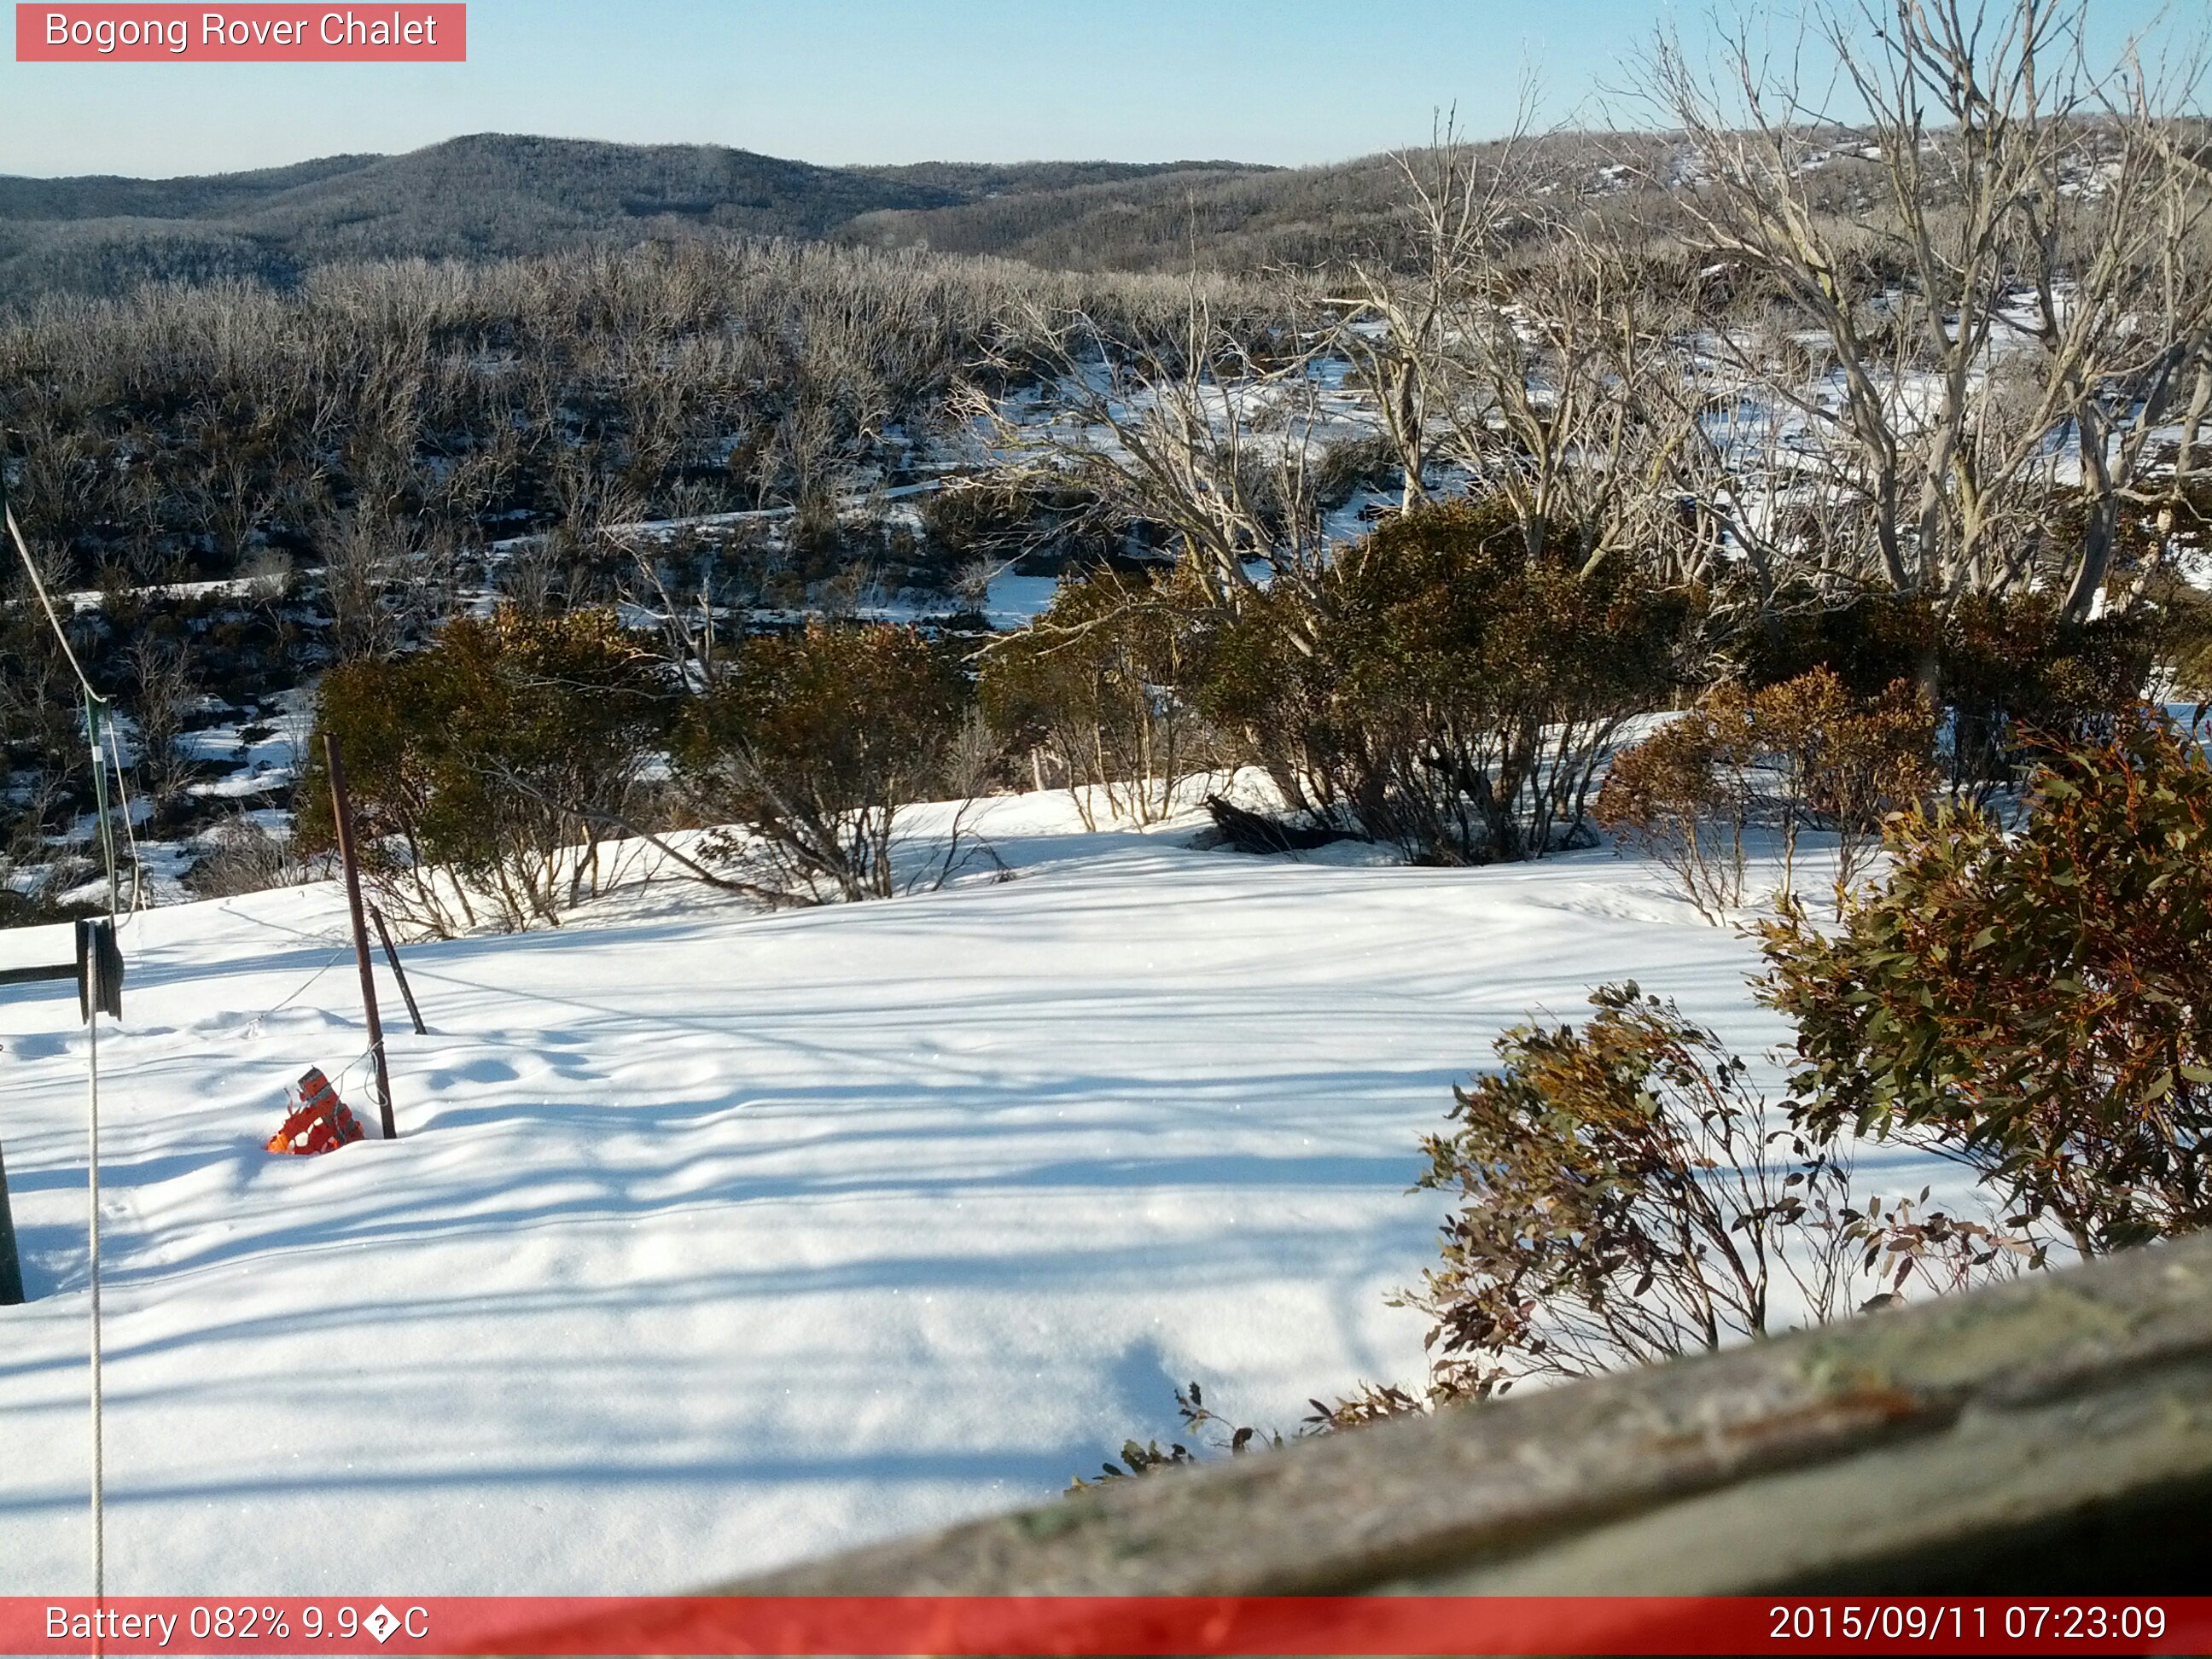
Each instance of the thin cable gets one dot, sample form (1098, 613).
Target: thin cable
(39, 587)
(129, 834)
(98, 1424)
(351, 1066)
(253, 1025)
(93, 700)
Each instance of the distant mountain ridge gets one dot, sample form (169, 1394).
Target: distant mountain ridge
(490, 196)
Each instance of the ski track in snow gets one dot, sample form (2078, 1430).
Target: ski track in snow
(715, 1240)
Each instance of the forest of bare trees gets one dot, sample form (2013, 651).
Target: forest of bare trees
(1897, 363)
(176, 435)
(1960, 349)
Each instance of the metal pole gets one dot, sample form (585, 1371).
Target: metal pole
(92, 1235)
(100, 989)
(391, 956)
(100, 801)
(342, 806)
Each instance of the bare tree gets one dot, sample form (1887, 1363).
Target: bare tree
(163, 695)
(1558, 385)
(386, 582)
(2013, 277)
(1398, 321)
(1207, 435)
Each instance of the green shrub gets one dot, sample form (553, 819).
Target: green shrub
(2183, 633)
(1100, 687)
(1441, 690)
(1628, 1196)
(1683, 797)
(2036, 1004)
(1625, 1195)
(1351, 464)
(2018, 681)
(486, 770)
(1802, 753)
(2011, 676)
(1202, 1424)
(810, 745)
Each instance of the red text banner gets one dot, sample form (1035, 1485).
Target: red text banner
(123, 32)
(1082, 1625)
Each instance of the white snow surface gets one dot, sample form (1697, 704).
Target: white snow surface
(715, 1239)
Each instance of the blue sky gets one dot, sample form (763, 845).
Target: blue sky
(849, 81)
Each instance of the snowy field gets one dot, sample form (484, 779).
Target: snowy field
(714, 1239)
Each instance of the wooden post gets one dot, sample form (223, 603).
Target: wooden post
(342, 807)
(391, 956)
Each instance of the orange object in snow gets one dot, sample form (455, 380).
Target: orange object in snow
(319, 1121)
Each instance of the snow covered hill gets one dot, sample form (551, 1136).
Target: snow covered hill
(715, 1239)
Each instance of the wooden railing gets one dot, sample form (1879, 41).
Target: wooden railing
(2052, 1435)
